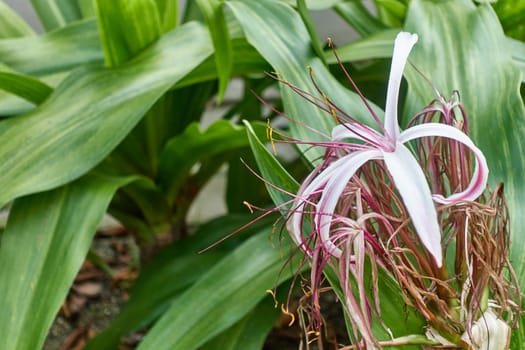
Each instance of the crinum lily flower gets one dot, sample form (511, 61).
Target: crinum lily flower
(388, 145)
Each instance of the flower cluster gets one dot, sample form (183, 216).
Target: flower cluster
(415, 204)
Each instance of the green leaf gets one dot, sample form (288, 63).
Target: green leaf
(127, 27)
(315, 4)
(54, 52)
(169, 13)
(222, 296)
(391, 12)
(61, 140)
(271, 170)
(517, 49)
(278, 33)
(458, 34)
(56, 13)
(357, 15)
(213, 13)
(88, 8)
(25, 86)
(310, 26)
(378, 45)
(195, 145)
(246, 61)
(182, 266)
(11, 25)
(250, 332)
(54, 229)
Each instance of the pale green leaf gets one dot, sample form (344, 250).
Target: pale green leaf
(54, 52)
(43, 246)
(56, 13)
(213, 13)
(90, 113)
(278, 33)
(378, 45)
(12, 25)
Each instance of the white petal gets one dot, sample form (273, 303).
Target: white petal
(413, 187)
(481, 171)
(332, 192)
(402, 46)
(305, 192)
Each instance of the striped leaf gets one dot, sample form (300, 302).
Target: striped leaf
(43, 247)
(90, 113)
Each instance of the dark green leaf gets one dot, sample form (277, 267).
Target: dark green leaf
(194, 145)
(250, 332)
(25, 86)
(222, 296)
(172, 271)
(271, 170)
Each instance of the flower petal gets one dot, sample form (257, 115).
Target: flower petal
(402, 46)
(413, 188)
(347, 166)
(481, 171)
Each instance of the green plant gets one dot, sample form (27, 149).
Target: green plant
(102, 114)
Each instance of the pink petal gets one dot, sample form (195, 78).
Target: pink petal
(413, 188)
(481, 171)
(402, 47)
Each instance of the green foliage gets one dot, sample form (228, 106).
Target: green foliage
(105, 112)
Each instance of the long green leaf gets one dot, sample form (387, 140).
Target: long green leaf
(457, 36)
(43, 246)
(250, 332)
(378, 45)
(126, 27)
(358, 16)
(178, 263)
(90, 113)
(54, 52)
(11, 25)
(271, 170)
(56, 13)
(278, 33)
(22, 85)
(195, 145)
(213, 13)
(221, 297)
